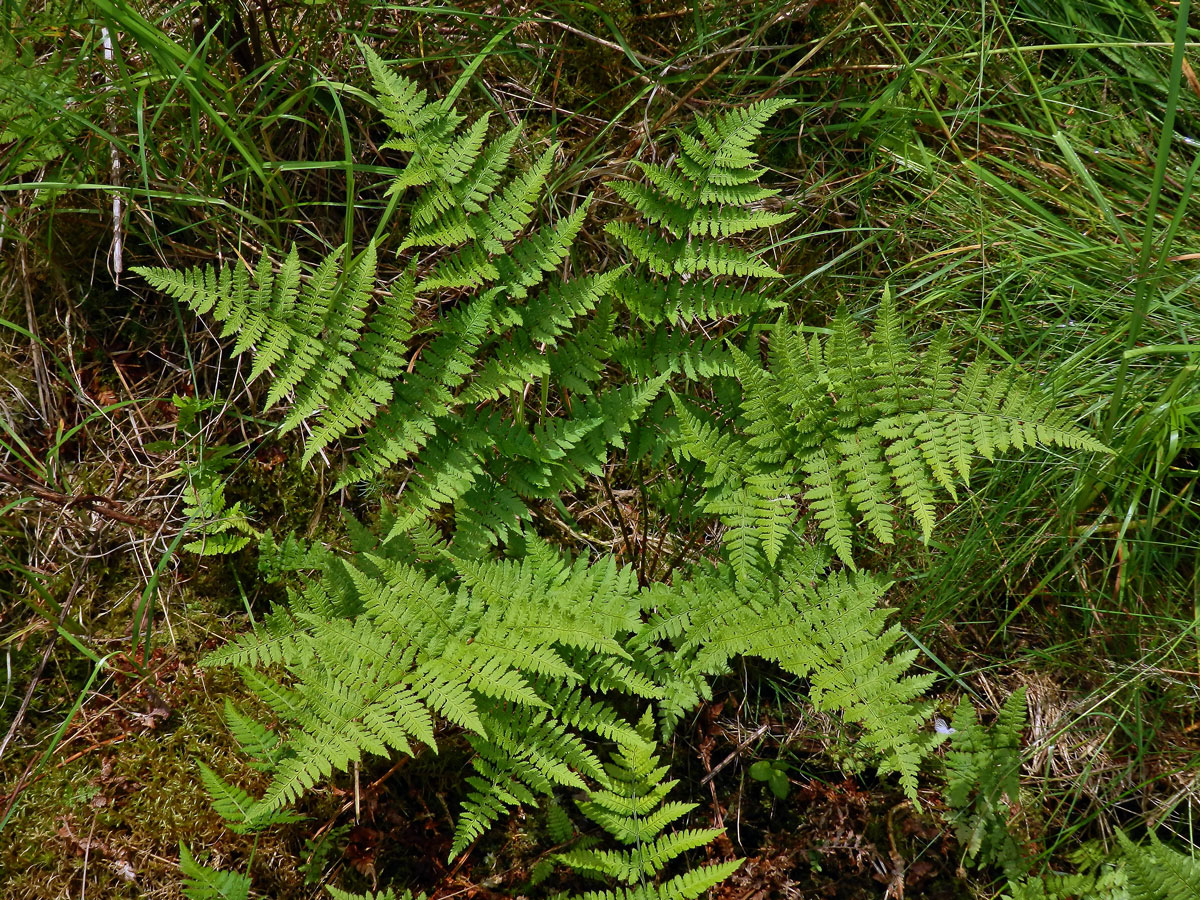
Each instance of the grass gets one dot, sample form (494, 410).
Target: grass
(1023, 172)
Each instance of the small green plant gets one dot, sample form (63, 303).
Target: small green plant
(219, 528)
(983, 783)
(775, 773)
(320, 850)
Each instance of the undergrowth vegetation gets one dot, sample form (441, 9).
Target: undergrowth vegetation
(605, 450)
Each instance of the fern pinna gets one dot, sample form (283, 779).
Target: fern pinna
(856, 426)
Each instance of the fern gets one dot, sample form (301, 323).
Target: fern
(337, 362)
(630, 806)
(1147, 871)
(1156, 872)
(823, 627)
(221, 528)
(356, 363)
(338, 894)
(516, 393)
(685, 233)
(495, 653)
(218, 527)
(530, 659)
(235, 805)
(856, 427)
(983, 771)
(35, 113)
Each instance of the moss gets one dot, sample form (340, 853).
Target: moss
(123, 794)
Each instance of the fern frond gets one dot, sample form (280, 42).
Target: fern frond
(235, 805)
(688, 886)
(861, 427)
(983, 768)
(825, 627)
(339, 894)
(629, 806)
(204, 883)
(1156, 872)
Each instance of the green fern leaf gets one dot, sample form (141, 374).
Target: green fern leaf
(204, 883)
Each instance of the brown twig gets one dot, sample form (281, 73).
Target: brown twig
(895, 888)
(97, 503)
(630, 550)
(715, 770)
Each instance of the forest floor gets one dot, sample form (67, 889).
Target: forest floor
(991, 163)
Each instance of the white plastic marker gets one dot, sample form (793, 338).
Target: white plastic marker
(106, 43)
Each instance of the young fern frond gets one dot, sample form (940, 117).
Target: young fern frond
(238, 807)
(202, 882)
(221, 528)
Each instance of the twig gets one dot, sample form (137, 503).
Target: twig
(759, 732)
(96, 503)
(895, 888)
(629, 547)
